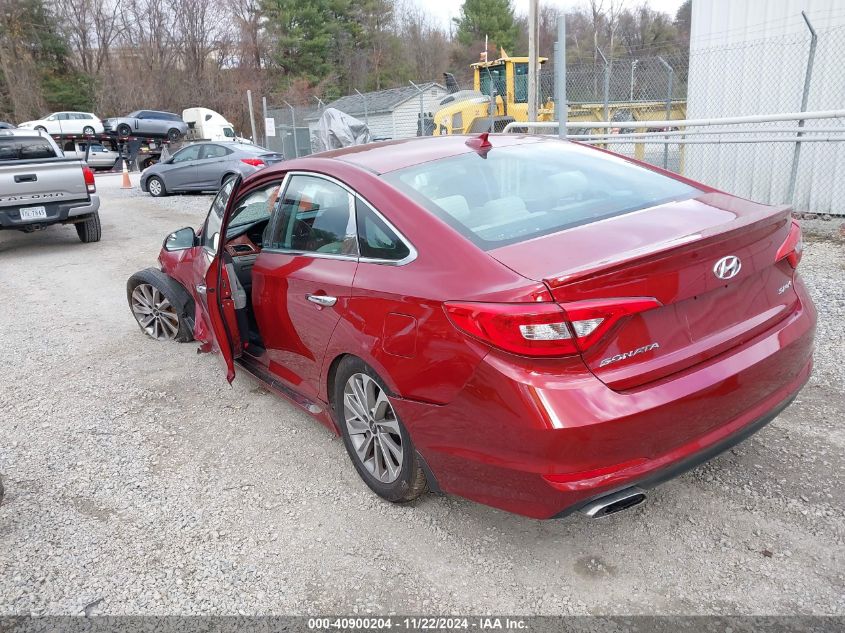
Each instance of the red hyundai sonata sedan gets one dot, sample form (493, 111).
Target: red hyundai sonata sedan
(529, 323)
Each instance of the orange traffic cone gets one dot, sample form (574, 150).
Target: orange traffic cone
(127, 184)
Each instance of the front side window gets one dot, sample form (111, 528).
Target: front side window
(189, 153)
(211, 230)
(315, 216)
(376, 240)
(255, 207)
(228, 132)
(516, 193)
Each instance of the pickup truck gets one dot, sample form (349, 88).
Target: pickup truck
(40, 187)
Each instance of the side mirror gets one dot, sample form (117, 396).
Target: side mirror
(181, 239)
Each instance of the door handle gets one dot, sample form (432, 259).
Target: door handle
(322, 300)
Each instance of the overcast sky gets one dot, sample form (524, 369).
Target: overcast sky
(445, 10)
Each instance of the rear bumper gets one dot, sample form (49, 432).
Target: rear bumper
(542, 440)
(10, 217)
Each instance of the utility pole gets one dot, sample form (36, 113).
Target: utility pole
(264, 110)
(533, 17)
(251, 115)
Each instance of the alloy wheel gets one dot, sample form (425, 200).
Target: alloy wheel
(154, 186)
(154, 312)
(373, 427)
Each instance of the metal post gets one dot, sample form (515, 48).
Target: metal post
(264, 110)
(320, 103)
(561, 107)
(422, 104)
(533, 15)
(668, 108)
(796, 155)
(606, 88)
(251, 114)
(293, 127)
(366, 114)
(633, 66)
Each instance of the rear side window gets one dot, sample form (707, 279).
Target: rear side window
(376, 240)
(23, 148)
(520, 192)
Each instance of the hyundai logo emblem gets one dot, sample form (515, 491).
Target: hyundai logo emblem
(727, 267)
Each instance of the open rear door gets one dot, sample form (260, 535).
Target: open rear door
(217, 292)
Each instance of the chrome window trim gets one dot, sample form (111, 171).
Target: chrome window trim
(354, 195)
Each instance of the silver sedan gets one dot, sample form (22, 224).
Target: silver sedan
(205, 167)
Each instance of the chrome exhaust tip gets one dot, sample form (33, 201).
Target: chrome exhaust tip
(613, 503)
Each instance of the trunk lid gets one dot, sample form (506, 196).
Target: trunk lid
(668, 252)
(40, 182)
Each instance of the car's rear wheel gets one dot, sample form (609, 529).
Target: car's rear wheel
(156, 187)
(123, 130)
(89, 230)
(375, 438)
(156, 307)
(173, 134)
(88, 130)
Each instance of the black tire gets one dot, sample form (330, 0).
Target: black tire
(89, 229)
(123, 130)
(176, 295)
(157, 190)
(88, 130)
(173, 134)
(40, 128)
(411, 481)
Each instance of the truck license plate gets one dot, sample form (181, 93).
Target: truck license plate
(34, 213)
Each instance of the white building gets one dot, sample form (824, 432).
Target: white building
(391, 113)
(750, 57)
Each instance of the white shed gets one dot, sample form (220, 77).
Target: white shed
(750, 57)
(391, 113)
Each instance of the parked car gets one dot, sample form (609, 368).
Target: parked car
(527, 322)
(39, 187)
(67, 123)
(147, 123)
(205, 167)
(6, 126)
(96, 155)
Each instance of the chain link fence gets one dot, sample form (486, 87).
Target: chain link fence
(754, 160)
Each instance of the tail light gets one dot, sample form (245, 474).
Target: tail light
(255, 162)
(89, 179)
(544, 329)
(793, 247)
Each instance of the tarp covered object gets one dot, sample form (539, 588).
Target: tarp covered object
(336, 129)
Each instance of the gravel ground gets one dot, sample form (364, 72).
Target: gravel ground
(138, 482)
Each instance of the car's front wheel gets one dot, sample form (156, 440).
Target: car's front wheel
(156, 187)
(375, 438)
(123, 130)
(156, 307)
(173, 134)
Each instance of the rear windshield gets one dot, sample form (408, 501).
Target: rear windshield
(520, 192)
(23, 148)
